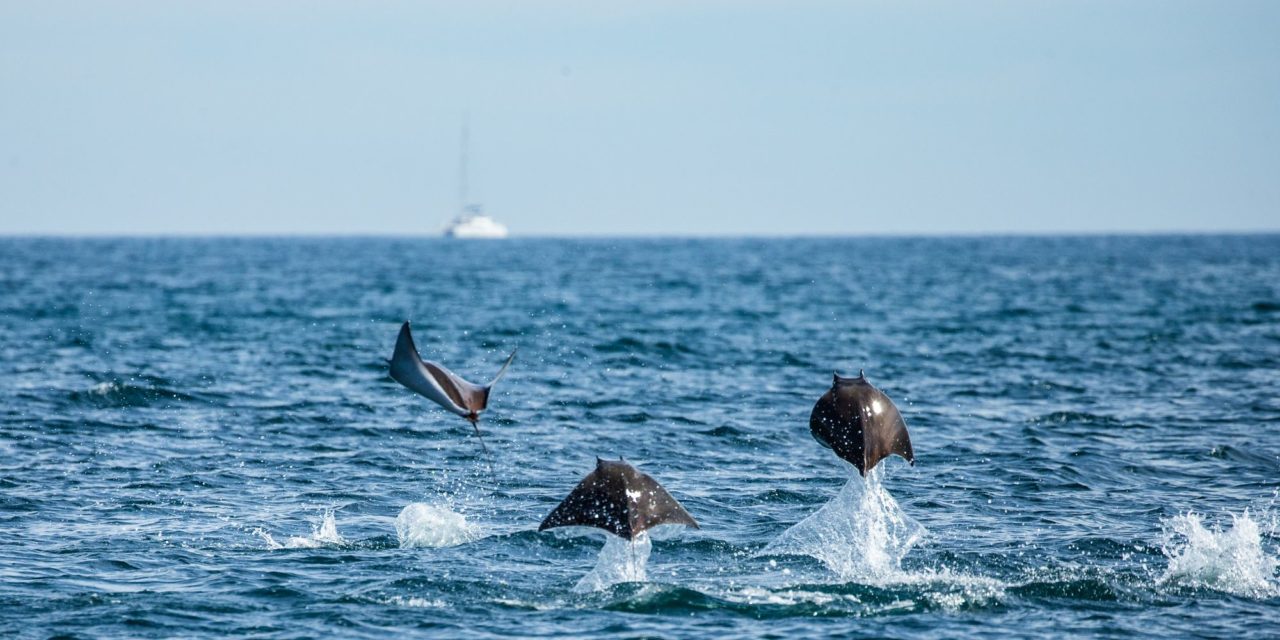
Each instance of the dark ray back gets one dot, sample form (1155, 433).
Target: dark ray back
(620, 499)
(860, 423)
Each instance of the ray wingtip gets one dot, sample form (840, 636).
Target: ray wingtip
(405, 333)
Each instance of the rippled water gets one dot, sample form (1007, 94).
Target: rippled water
(199, 437)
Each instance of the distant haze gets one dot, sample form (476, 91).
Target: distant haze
(654, 118)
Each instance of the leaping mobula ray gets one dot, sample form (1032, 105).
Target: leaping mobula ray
(439, 384)
(620, 499)
(860, 424)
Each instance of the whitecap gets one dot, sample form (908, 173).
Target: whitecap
(943, 589)
(788, 597)
(415, 602)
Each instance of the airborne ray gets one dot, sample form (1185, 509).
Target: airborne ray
(620, 499)
(860, 424)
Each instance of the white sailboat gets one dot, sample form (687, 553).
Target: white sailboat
(475, 224)
(471, 221)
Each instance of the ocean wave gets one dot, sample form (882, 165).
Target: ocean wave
(138, 392)
(661, 598)
(634, 346)
(726, 431)
(923, 591)
(1253, 455)
(1074, 417)
(1090, 588)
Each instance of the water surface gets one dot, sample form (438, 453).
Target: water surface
(199, 437)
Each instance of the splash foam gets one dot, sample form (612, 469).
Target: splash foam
(861, 533)
(619, 561)
(1230, 560)
(426, 525)
(324, 532)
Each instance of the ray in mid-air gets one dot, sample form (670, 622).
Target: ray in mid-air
(439, 384)
(620, 499)
(860, 424)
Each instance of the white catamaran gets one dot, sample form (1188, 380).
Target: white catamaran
(471, 221)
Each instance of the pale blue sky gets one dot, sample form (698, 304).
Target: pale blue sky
(647, 118)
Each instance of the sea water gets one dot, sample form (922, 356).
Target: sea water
(199, 437)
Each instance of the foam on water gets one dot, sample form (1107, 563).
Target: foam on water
(323, 533)
(862, 533)
(105, 388)
(427, 525)
(1231, 560)
(416, 602)
(927, 588)
(619, 561)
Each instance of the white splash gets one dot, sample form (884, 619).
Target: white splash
(324, 532)
(1231, 560)
(105, 388)
(862, 533)
(619, 561)
(419, 603)
(426, 525)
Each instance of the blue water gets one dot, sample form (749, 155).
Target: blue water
(199, 437)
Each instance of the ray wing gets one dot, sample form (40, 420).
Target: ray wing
(426, 378)
(886, 434)
(652, 505)
(620, 499)
(503, 370)
(593, 503)
(860, 424)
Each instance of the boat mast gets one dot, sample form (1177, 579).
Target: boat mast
(462, 165)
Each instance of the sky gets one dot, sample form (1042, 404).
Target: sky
(646, 118)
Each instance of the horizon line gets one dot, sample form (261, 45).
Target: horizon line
(160, 235)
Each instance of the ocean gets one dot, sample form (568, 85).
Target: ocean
(199, 437)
